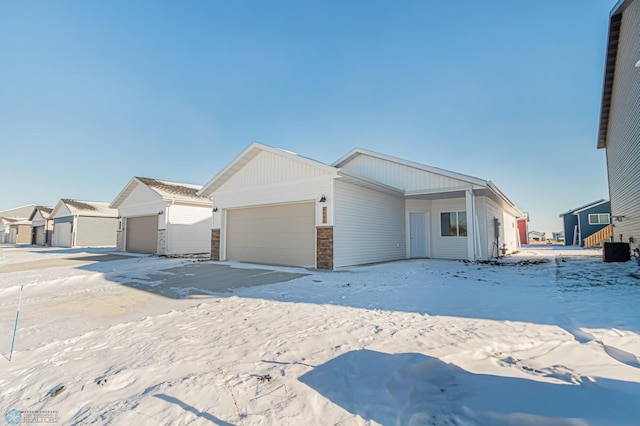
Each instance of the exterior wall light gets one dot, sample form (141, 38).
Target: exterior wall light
(323, 199)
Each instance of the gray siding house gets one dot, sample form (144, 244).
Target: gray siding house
(619, 132)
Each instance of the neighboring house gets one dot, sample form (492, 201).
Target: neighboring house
(523, 228)
(42, 225)
(161, 217)
(11, 216)
(558, 237)
(84, 224)
(584, 221)
(537, 236)
(619, 132)
(274, 206)
(20, 232)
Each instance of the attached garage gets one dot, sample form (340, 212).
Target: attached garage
(40, 235)
(277, 234)
(162, 217)
(141, 234)
(62, 234)
(84, 224)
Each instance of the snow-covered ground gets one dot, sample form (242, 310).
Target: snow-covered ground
(550, 336)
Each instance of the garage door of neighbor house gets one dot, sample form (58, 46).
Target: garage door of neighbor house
(281, 234)
(142, 234)
(62, 234)
(40, 235)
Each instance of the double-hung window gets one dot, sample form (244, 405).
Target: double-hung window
(453, 224)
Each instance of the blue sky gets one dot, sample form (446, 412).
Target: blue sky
(93, 93)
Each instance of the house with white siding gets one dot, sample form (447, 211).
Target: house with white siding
(83, 224)
(619, 131)
(274, 206)
(42, 225)
(162, 217)
(10, 229)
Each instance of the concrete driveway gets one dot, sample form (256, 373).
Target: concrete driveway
(60, 261)
(205, 279)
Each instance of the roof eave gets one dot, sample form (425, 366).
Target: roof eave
(407, 163)
(615, 22)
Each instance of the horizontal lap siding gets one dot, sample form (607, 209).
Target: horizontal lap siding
(189, 229)
(623, 139)
(481, 214)
(268, 168)
(447, 247)
(369, 226)
(399, 176)
(96, 231)
(493, 211)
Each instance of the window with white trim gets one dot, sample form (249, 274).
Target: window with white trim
(599, 219)
(453, 224)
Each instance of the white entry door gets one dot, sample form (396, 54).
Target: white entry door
(418, 234)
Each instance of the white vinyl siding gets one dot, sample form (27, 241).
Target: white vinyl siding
(510, 231)
(369, 226)
(398, 175)
(188, 229)
(96, 231)
(623, 138)
(268, 168)
(447, 247)
(281, 234)
(143, 202)
(494, 211)
(288, 192)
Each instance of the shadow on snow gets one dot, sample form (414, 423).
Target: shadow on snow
(411, 389)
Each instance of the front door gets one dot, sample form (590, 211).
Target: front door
(418, 234)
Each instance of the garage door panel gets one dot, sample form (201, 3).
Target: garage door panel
(62, 234)
(142, 234)
(283, 234)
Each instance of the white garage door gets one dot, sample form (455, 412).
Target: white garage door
(62, 234)
(142, 234)
(280, 235)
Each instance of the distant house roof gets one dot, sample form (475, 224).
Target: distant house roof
(21, 212)
(44, 211)
(85, 208)
(615, 22)
(174, 191)
(584, 207)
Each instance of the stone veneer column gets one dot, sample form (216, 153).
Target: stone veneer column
(162, 238)
(215, 244)
(324, 247)
(118, 240)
